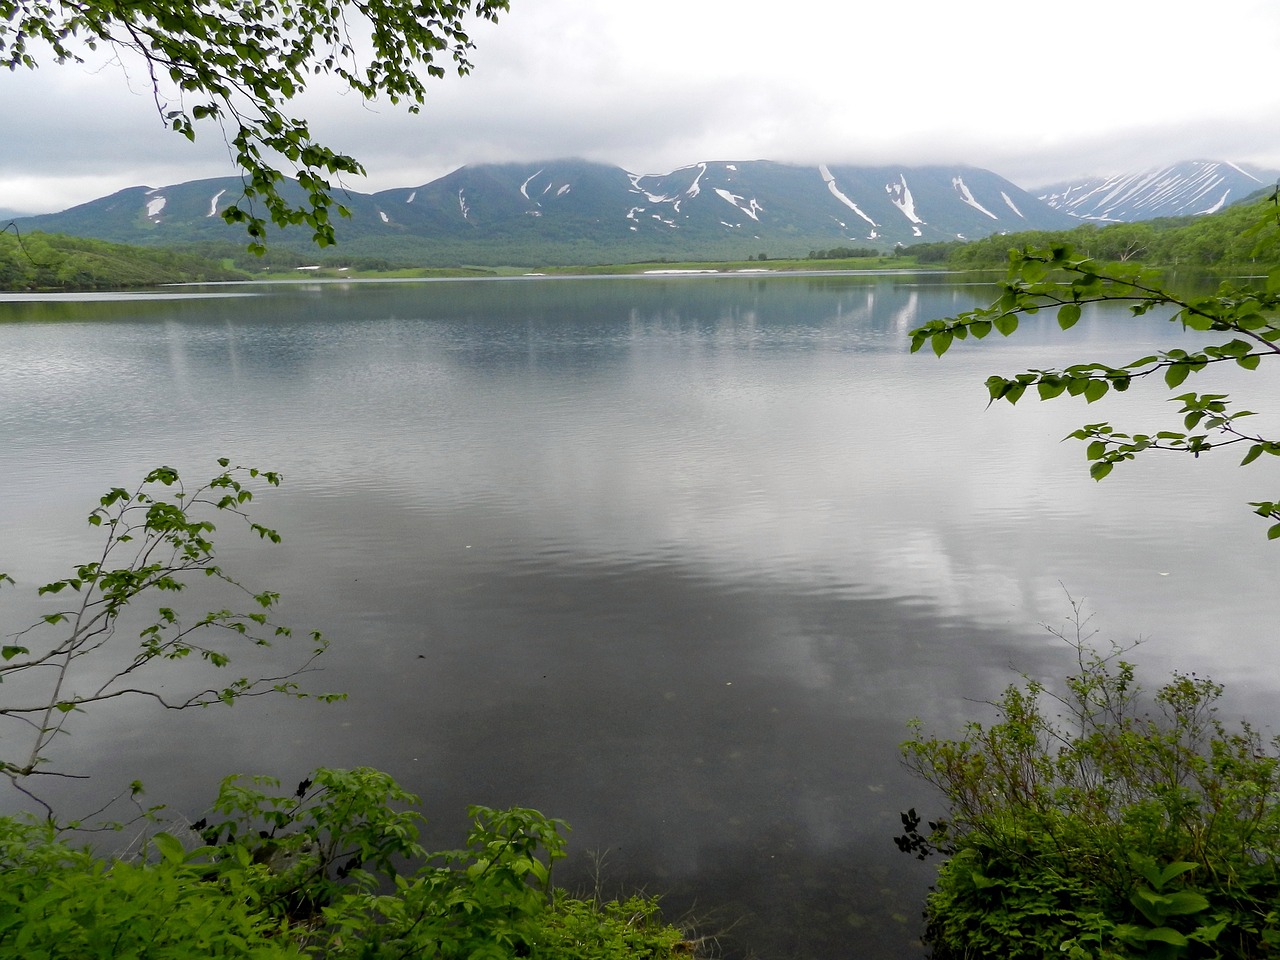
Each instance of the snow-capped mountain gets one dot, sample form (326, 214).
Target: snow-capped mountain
(716, 208)
(1183, 189)
(575, 211)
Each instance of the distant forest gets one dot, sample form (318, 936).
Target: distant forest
(41, 261)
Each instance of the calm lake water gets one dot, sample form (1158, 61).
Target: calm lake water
(674, 559)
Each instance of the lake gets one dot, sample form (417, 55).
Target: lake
(675, 558)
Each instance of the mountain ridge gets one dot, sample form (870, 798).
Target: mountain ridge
(577, 211)
(1188, 188)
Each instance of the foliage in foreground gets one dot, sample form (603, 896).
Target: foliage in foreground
(239, 66)
(158, 541)
(1241, 323)
(319, 873)
(1102, 822)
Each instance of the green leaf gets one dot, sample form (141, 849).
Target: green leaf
(1274, 532)
(1255, 451)
(982, 883)
(1050, 388)
(1095, 390)
(170, 848)
(1069, 315)
(1165, 935)
(9, 651)
(1097, 450)
(1102, 468)
(1175, 373)
(1182, 902)
(1007, 323)
(941, 342)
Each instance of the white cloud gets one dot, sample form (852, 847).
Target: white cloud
(1033, 91)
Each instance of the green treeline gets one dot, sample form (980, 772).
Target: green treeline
(844, 253)
(43, 261)
(1219, 240)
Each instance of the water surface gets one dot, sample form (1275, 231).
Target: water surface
(675, 559)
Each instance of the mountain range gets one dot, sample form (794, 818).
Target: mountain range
(574, 211)
(1192, 188)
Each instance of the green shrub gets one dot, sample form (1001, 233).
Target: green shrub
(326, 872)
(1102, 822)
(58, 902)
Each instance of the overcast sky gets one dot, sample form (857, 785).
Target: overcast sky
(1034, 91)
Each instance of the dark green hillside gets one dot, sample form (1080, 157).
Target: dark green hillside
(41, 261)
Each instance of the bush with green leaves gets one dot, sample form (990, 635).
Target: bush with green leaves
(1102, 821)
(331, 870)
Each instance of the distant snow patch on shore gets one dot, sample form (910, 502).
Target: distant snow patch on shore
(830, 181)
(967, 196)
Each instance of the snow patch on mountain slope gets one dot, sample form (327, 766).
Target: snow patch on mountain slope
(695, 188)
(462, 205)
(213, 204)
(900, 196)
(830, 181)
(383, 217)
(635, 179)
(752, 209)
(1245, 172)
(1222, 202)
(524, 187)
(154, 206)
(1012, 206)
(1192, 188)
(563, 190)
(967, 196)
(411, 196)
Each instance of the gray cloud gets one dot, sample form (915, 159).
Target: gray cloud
(655, 85)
